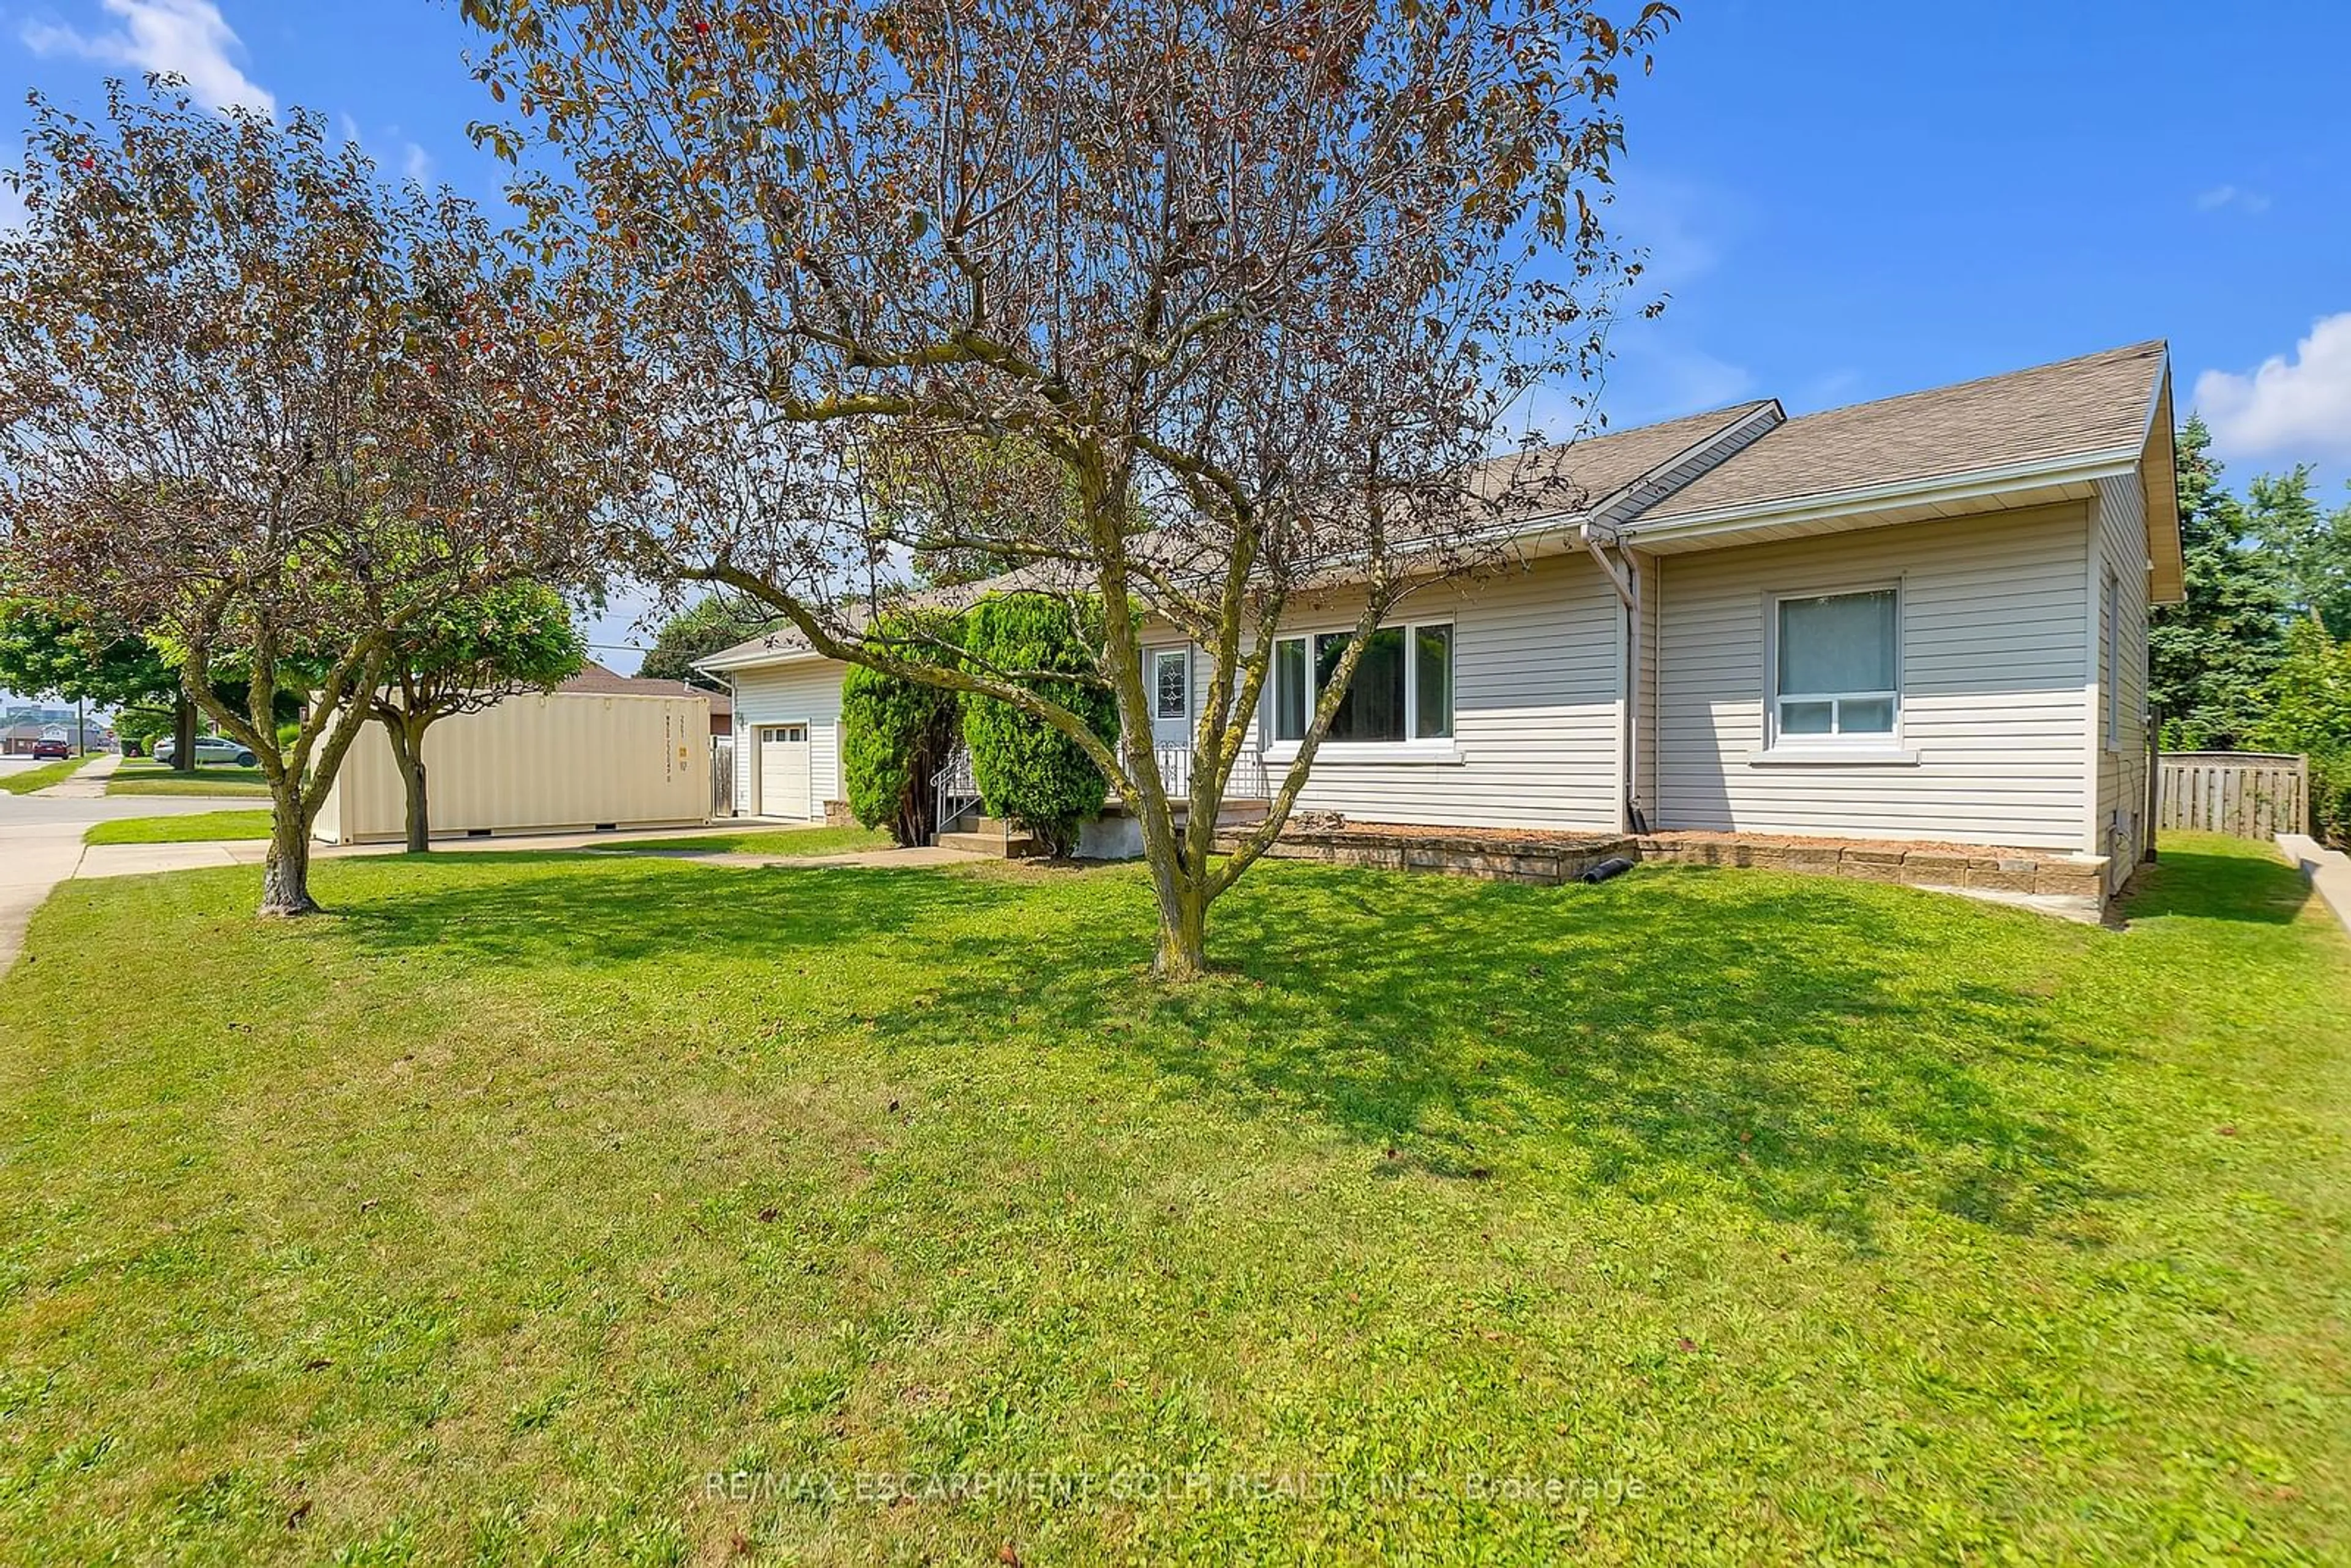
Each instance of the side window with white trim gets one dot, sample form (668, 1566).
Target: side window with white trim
(1836, 668)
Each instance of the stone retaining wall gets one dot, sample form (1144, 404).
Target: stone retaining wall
(1996, 871)
(2069, 885)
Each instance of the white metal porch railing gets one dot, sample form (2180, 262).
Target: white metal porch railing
(1247, 781)
(954, 790)
(957, 793)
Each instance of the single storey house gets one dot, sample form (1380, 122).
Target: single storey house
(1919, 618)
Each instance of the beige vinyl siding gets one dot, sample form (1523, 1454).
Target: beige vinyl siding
(806, 692)
(1537, 663)
(2121, 822)
(1993, 626)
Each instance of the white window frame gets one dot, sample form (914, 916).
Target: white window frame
(1414, 746)
(1184, 657)
(1776, 740)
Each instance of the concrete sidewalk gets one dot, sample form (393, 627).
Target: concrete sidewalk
(40, 840)
(141, 860)
(85, 783)
(2328, 870)
(33, 860)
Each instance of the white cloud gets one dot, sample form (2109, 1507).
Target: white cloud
(416, 164)
(180, 37)
(2298, 409)
(1830, 388)
(2242, 200)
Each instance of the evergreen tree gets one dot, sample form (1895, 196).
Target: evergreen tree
(896, 732)
(2307, 708)
(2211, 654)
(2312, 550)
(1028, 771)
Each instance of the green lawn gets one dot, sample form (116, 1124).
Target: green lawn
(145, 776)
(41, 775)
(792, 841)
(539, 1206)
(188, 829)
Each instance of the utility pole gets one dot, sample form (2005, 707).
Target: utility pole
(81, 726)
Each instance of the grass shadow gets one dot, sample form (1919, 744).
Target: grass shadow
(1804, 1048)
(2203, 885)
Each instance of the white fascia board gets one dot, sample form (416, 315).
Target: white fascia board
(719, 663)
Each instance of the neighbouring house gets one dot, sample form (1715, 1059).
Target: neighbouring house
(22, 728)
(597, 679)
(1922, 619)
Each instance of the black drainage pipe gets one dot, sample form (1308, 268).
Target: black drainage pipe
(1613, 867)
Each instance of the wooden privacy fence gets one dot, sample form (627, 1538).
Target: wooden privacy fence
(2245, 794)
(722, 776)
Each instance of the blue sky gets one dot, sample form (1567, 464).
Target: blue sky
(1843, 199)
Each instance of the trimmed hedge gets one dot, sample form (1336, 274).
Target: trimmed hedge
(1028, 771)
(895, 734)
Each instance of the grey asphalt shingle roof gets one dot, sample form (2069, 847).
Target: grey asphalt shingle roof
(1584, 472)
(1560, 478)
(2074, 408)
(2082, 408)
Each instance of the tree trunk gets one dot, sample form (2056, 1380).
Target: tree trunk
(420, 815)
(184, 734)
(286, 872)
(408, 751)
(1182, 923)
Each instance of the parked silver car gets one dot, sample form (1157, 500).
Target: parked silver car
(209, 749)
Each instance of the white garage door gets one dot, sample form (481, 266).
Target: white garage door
(784, 770)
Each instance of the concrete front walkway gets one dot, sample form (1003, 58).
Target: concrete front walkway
(914, 858)
(34, 859)
(2329, 871)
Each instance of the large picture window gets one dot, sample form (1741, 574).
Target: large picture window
(1402, 688)
(1836, 668)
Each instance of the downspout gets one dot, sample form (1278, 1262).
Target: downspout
(1625, 576)
(733, 746)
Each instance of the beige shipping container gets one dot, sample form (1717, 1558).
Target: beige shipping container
(557, 762)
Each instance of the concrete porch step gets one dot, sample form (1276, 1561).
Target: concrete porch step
(1003, 843)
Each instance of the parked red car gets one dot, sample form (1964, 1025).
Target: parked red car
(45, 749)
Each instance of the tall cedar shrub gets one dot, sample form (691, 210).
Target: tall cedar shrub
(1028, 771)
(896, 733)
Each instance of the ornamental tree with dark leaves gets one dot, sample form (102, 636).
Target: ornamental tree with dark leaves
(464, 656)
(1259, 289)
(267, 411)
